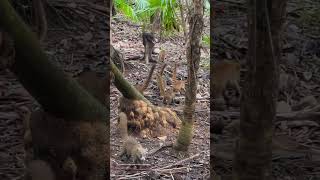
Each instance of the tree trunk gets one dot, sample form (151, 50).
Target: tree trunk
(193, 58)
(183, 19)
(258, 102)
(117, 58)
(79, 121)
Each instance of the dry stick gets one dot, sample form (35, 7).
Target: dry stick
(131, 169)
(161, 147)
(313, 109)
(133, 164)
(163, 169)
(133, 175)
(179, 162)
(233, 2)
(142, 174)
(172, 169)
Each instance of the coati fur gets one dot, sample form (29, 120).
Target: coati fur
(167, 94)
(148, 41)
(160, 80)
(162, 55)
(142, 87)
(178, 85)
(132, 149)
(225, 73)
(39, 170)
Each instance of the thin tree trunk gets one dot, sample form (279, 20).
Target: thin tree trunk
(193, 58)
(67, 106)
(258, 102)
(183, 20)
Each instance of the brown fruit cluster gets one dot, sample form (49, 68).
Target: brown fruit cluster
(146, 119)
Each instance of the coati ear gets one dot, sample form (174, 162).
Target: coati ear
(96, 84)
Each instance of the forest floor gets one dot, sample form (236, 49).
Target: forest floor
(76, 39)
(299, 133)
(127, 38)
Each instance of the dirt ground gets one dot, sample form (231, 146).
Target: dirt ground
(299, 132)
(127, 38)
(76, 39)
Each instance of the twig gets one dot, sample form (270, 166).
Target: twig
(233, 2)
(165, 169)
(161, 147)
(171, 170)
(133, 164)
(180, 162)
(133, 175)
(227, 42)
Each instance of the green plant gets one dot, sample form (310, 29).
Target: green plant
(206, 40)
(142, 11)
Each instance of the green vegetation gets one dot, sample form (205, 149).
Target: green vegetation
(143, 11)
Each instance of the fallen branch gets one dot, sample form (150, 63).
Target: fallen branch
(164, 170)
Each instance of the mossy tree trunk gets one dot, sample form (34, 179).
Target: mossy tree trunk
(258, 102)
(125, 87)
(83, 132)
(193, 58)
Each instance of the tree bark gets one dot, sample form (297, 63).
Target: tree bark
(67, 106)
(193, 58)
(117, 58)
(258, 102)
(183, 19)
(50, 86)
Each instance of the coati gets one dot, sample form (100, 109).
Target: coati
(142, 87)
(70, 168)
(178, 85)
(94, 83)
(132, 149)
(39, 170)
(167, 94)
(225, 73)
(148, 41)
(162, 55)
(160, 80)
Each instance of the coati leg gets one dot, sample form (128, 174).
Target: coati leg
(177, 85)
(168, 94)
(148, 40)
(162, 55)
(168, 97)
(40, 18)
(160, 80)
(132, 149)
(39, 170)
(224, 73)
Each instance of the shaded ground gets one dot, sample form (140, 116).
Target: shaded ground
(300, 78)
(126, 37)
(76, 38)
